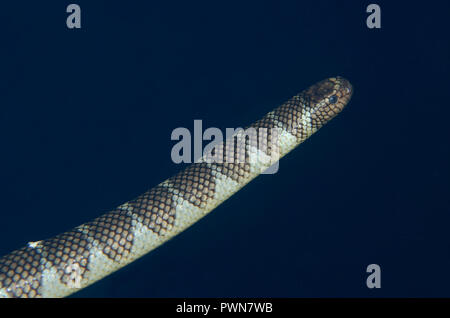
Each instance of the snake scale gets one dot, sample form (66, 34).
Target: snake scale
(72, 260)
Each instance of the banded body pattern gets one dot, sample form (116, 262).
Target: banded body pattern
(64, 264)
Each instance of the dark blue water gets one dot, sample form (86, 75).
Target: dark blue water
(86, 117)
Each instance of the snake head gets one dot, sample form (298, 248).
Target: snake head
(327, 98)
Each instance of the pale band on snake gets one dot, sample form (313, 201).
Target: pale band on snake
(70, 261)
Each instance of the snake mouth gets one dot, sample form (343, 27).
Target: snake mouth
(344, 88)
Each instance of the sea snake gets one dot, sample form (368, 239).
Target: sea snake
(62, 265)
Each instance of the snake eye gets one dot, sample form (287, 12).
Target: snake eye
(333, 99)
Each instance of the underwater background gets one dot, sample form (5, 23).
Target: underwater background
(86, 117)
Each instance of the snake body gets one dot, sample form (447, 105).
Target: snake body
(72, 260)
